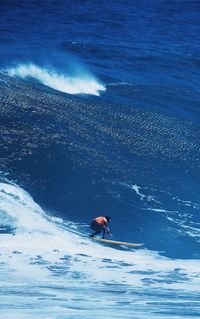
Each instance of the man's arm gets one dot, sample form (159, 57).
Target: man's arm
(106, 230)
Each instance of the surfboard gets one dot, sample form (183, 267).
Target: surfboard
(108, 241)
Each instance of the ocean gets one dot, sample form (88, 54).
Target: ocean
(99, 115)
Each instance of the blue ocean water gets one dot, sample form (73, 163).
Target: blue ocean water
(99, 116)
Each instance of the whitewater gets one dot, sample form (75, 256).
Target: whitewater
(50, 269)
(81, 84)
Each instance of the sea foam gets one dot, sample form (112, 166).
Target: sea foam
(78, 84)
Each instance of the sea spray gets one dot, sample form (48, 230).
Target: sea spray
(83, 84)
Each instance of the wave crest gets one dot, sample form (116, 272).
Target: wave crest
(85, 84)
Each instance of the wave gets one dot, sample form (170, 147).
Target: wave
(85, 84)
(29, 219)
(146, 146)
(51, 262)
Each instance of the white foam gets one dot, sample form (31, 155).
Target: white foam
(85, 83)
(161, 210)
(138, 190)
(193, 231)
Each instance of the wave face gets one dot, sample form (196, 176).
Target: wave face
(73, 148)
(72, 85)
(81, 157)
(134, 164)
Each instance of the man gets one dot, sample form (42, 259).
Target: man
(99, 225)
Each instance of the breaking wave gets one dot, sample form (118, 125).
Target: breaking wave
(83, 84)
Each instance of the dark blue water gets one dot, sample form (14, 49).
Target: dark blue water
(146, 42)
(100, 115)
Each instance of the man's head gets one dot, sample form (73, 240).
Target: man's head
(108, 218)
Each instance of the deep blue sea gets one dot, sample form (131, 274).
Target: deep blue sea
(99, 115)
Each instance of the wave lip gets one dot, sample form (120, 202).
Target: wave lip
(85, 84)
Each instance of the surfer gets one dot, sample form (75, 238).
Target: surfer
(99, 225)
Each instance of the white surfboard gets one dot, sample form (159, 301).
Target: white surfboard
(114, 242)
